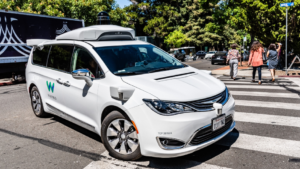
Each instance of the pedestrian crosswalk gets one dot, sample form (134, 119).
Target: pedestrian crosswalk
(267, 133)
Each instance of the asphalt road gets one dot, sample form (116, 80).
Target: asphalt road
(204, 64)
(267, 133)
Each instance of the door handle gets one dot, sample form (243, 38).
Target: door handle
(67, 83)
(59, 81)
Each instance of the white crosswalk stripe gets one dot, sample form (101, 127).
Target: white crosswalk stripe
(266, 94)
(263, 144)
(109, 162)
(278, 105)
(263, 87)
(267, 119)
(272, 84)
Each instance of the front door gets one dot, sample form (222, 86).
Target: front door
(80, 98)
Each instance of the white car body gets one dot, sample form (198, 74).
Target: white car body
(84, 106)
(209, 54)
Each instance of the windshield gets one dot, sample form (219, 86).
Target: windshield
(136, 59)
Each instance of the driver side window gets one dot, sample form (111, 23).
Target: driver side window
(83, 60)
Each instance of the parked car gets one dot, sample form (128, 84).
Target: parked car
(201, 54)
(127, 91)
(178, 54)
(208, 55)
(219, 57)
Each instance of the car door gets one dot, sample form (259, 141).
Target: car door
(81, 99)
(58, 68)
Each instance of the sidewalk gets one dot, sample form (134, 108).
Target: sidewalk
(243, 71)
(7, 81)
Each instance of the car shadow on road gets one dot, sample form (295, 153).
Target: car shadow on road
(194, 159)
(77, 128)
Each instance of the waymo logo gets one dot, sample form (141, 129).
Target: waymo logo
(50, 86)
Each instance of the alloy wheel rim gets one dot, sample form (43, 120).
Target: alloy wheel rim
(36, 101)
(122, 137)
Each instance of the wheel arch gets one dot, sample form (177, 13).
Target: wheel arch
(111, 108)
(30, 87)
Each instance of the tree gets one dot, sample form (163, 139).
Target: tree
(77, 9)
(198, 20)
(156, 18)
(265, 20)
(176, 38)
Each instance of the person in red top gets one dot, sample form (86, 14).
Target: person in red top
(256, 59)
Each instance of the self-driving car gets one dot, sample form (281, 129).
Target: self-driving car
(138, 98)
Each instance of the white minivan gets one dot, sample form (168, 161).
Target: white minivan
(138, 98)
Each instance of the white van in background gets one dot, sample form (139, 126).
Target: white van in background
(138, 98)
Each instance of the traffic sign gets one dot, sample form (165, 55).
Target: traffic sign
(287, 4)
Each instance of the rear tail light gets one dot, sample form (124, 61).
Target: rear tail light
(213, 56)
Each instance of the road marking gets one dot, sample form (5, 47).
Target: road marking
(262, 144)
(108, 162)
(277, 105)
(267, 119)
(263, 87)
(270, 84)
(265, 94)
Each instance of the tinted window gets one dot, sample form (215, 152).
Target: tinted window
(60, 57)
(40, 55)
(83, 60)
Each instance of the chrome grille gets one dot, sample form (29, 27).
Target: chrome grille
(207, 104)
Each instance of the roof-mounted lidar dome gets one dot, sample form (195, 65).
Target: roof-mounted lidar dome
(103, 18)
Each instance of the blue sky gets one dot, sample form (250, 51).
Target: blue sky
(123, 3)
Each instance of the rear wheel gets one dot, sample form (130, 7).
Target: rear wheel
(36, 103)
(119, 137)
(212, 63)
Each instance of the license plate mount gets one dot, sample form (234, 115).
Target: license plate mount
(218, 122)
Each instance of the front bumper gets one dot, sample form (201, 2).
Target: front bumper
(180, 127)
(219, 60)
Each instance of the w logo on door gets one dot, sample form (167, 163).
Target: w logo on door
(50, 86)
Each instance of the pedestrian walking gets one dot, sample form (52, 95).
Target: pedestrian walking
(272, 55)
(232, 58)
(256, 59)
(279, 65)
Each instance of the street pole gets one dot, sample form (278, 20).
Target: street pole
(286, 69)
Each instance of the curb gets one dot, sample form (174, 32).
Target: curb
(11, 83)
(288, 76)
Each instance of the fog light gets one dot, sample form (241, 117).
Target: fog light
(169, 144)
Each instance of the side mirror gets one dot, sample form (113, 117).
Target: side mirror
(82, 74)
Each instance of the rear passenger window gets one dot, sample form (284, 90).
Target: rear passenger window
(40, 55)
(60, 57)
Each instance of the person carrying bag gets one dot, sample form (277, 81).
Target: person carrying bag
(256, 59)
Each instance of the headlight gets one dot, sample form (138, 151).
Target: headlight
(167, 108)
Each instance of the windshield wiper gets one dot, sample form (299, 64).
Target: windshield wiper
(128, 73)
(162, 69)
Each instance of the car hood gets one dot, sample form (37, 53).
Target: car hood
(185, 84)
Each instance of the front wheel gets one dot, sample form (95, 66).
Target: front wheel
(120, 137)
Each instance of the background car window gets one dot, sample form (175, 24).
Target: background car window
(60, 57)
(40, 55)
(83, 60)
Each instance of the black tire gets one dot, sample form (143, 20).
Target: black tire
(37, 102)
(212, 63)
(115, 115)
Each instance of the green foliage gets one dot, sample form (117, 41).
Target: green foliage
(176, 38)
(78, 9)
(265, 20)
